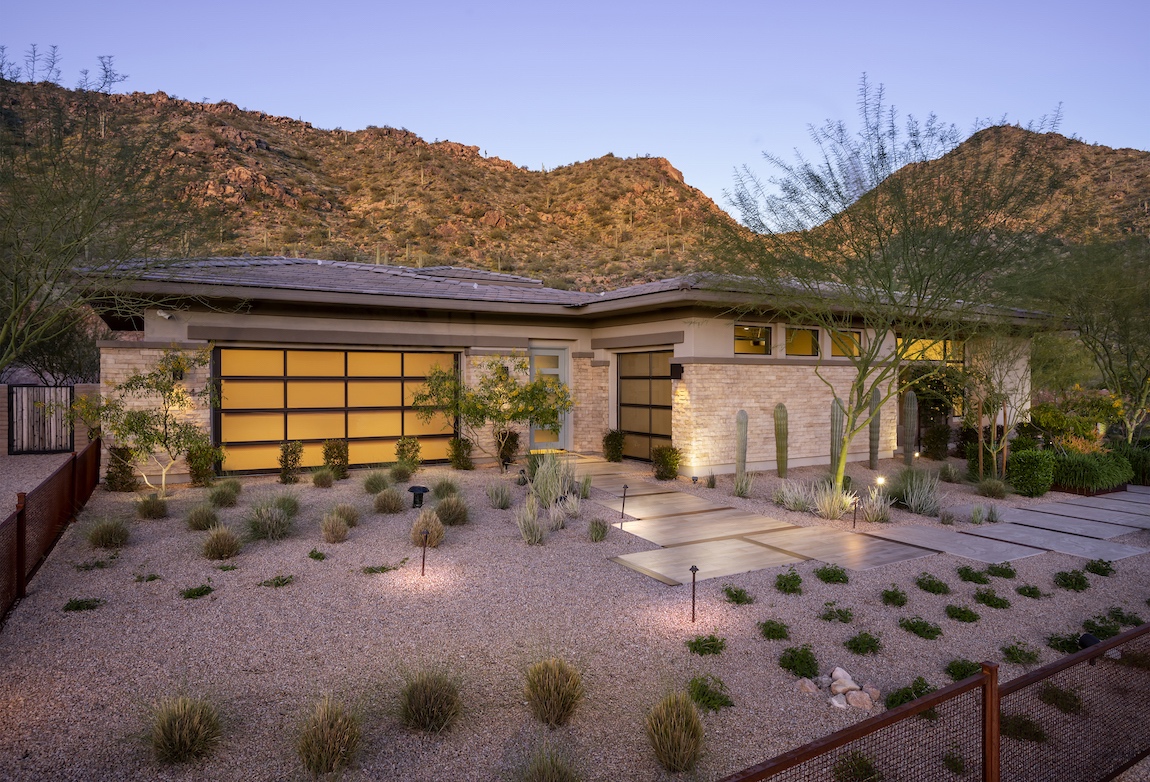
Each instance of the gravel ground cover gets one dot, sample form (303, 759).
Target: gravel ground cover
(24, 473)
(75, 687)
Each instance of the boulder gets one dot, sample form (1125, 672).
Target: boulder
(839, 702)
(806, 685)
(860, 700)
(839, 686)
(839, 673)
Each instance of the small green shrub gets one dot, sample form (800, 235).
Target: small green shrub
(893, 597)
(948, 473)
(597, 530)
(855, 767)
(452, 511)
(389, 501)
(1031, 473)
(333, 528)
(553, 690)
(232, 485)
(737, 595)
(329, 738)
(832, 614)
(988, 598)
(375, 482)
(929, 583)
(108, 534)
(407, 451)
(774, 630)
(227, 568)
(83, 604)
(268, 521)
(183, 729)
(152, 507)
(335, 458)
(223, 496)
(1067, 644)
(459, 453)
(709, 692)
(912, 692)
(278, 581)
(221, 543)
(1074, 580)
(665, 460)
(832, 574)
(961, 614)
(961, 669)
(1099, 567)
(920, 627)
(400, 472)
(444, 487)
(711, 482)
(288, 503)
(789, 583)
(613, 442)
(202, 458)
(120, 476)
(428, 521)
(323, 478)
(707, 644)
(317, 555)
(1021, 728)
(1001, 570)
(800, 661)
(202, 517)
(1066, 701)
(142, 579)
(196, 592)
(953, 761)
(969, 574)
(1029, 590)
(1020, 653)
(743, 484)
(499, 495)
(917, 491)
(1102, 626)
(863, 643)
(291, 455)
(675, 732)
(1090, 472)
(1122, 617)
(993, 488)
(936, 442)
(429, 701)
(349, 513)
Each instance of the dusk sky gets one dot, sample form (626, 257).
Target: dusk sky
(708, 85)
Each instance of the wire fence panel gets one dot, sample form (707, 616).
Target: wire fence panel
(87, 473)
(47, 509)
(9, 577)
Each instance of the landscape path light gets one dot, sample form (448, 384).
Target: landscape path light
(417, 493)
(694, 570)
(623, 506)
(423, 565)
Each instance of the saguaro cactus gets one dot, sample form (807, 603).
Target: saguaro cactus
(875, 428)
(781, 439)
(740, 444)
(837, 414)
(909, 426)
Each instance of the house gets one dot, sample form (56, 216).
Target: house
(314, 349)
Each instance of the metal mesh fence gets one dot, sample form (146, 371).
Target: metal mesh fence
(47, 509)
(8, 577)
(87, 472)
(1087, 722)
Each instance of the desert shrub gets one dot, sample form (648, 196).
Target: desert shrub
(444, 487)
(665, 461)
(407, 451)
(459, 453)
(1099, 567)
(349, 513)
(744, 483)
(202, 516)
(1031, 473)
(275, 582)
(120, 475)
(597, 530)
(547, 765)
(832, 574)
(875, 507)
(1090, 471)
(917, 491)
(375, 482)
(709, 692)
(920, 627)
(1073, 580)
(221, 543)
(1066, 701)
(452, 511)
(202, 458)
(894, 597)
(737, 595)
(183, 729)
(969, 574)
(83, 604)
(429, 701)
(1066, 643)
(794, 495)
(334, 528)
(323, 478)
(1124, 618)
(948, 473)
(774, 630)
(400, 472)
(108, 533)
(1001, 570)
(800, 661)
(863, 643)
(854, 766)
(152, 507)
(291, 455)
(929, 583)
(429, 521)
(992, 487)
(335, 458)
(499, 495)
(1022, 728)
(832, 614)
(936, 442)
(831, 503)
(706, 644)
(232, 485)
(789, 583)
(329, 738)
(1020, 653)
(961, 669)
(288, 503)
(988, 598)
(1029, 590)
(196, 592)
(912, 692)
(613, 441)
(223, 496)
(1102, 627)
(711, 480)
(553, 690)
(268, 521)
(961, 614)
(389, 501)
(675, 732)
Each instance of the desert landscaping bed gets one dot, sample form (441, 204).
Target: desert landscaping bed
(76, 687)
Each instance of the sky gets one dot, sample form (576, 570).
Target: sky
(709, 85)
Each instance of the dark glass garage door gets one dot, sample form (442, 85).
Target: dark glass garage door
(645, 401)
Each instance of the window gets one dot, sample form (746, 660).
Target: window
(802, 342)
(950, 351)
(755, 340)
(846, 343)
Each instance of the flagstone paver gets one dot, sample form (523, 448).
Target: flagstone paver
(826, 544)
(1129, 496)
(1077, 545)
(968, 546)
(1093, 514)
(655, 505)
(1031, 517)
(715, 559)
(1109, 504)
(1138, 489)
(697, 527)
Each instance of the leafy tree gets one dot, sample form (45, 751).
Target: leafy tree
(501, 399)
(903, 230)
(71, 357)
(998, 389)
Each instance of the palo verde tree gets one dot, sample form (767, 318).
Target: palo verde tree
(997, 391)
(503, 398)
(901, 230)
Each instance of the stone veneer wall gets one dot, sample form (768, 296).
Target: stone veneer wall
(709, 396)
(591, 415)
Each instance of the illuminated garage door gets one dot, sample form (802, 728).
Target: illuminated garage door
(645, 401)
(270, 396)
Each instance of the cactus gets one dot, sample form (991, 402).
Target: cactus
(837, 413)
(781, 438)
(909, 426)
(740, 444)
(875, 428)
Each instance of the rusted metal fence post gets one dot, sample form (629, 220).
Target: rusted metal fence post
(21, 542)
(990, 731)
(73, 505)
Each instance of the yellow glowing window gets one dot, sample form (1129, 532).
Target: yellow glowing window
(249, 427)
(419, 364)
(433, 449)
(251, 457)
(257, 363)
(315, 426)
(755, 340)
(930, 349)
(312, 455)
(374, 364)
(414, 425)
(315, 363)
(249, 394)
(635, 392)
(375, 451)
(374, 393)
(661, 422)
(314, 393)
(802, 342)
(660, 364)
(846, 343)
(635, 419)
(375, 423)
(661, 392)
(634, 364)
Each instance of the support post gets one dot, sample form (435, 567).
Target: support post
(990, 727)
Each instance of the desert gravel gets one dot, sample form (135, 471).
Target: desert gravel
(75, 687)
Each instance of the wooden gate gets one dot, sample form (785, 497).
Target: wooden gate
(38, 419)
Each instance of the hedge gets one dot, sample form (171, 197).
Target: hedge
(1031, 473)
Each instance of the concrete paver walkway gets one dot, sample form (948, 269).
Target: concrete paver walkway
(968, 546)
(1091, 548)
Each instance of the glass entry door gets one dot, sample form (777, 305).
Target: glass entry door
(550, 363)
(645, 401)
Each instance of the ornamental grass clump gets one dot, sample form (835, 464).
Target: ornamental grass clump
(401, 472)
(323, 478)
(744, 483)
(221, 543)
(268, 521)
(223, 495)
(333, 528)
(875, 507)
(183, 729)
(993, 488)
(547, 765)
(499, 495)
(917, 491)
(830, 502)
(202, 517)
(288, 503)
(794, 495)
(329, 738)
(389, 501)
(429, 701)
(452, 511)
(444, 487)
(349, 513)
(597, 530)
(108, 534)
(430, 523)
(527, 521)
(152, 507)
(375, 482)
(675, 732)
(553, 690)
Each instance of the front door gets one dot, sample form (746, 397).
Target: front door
(550, 363)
